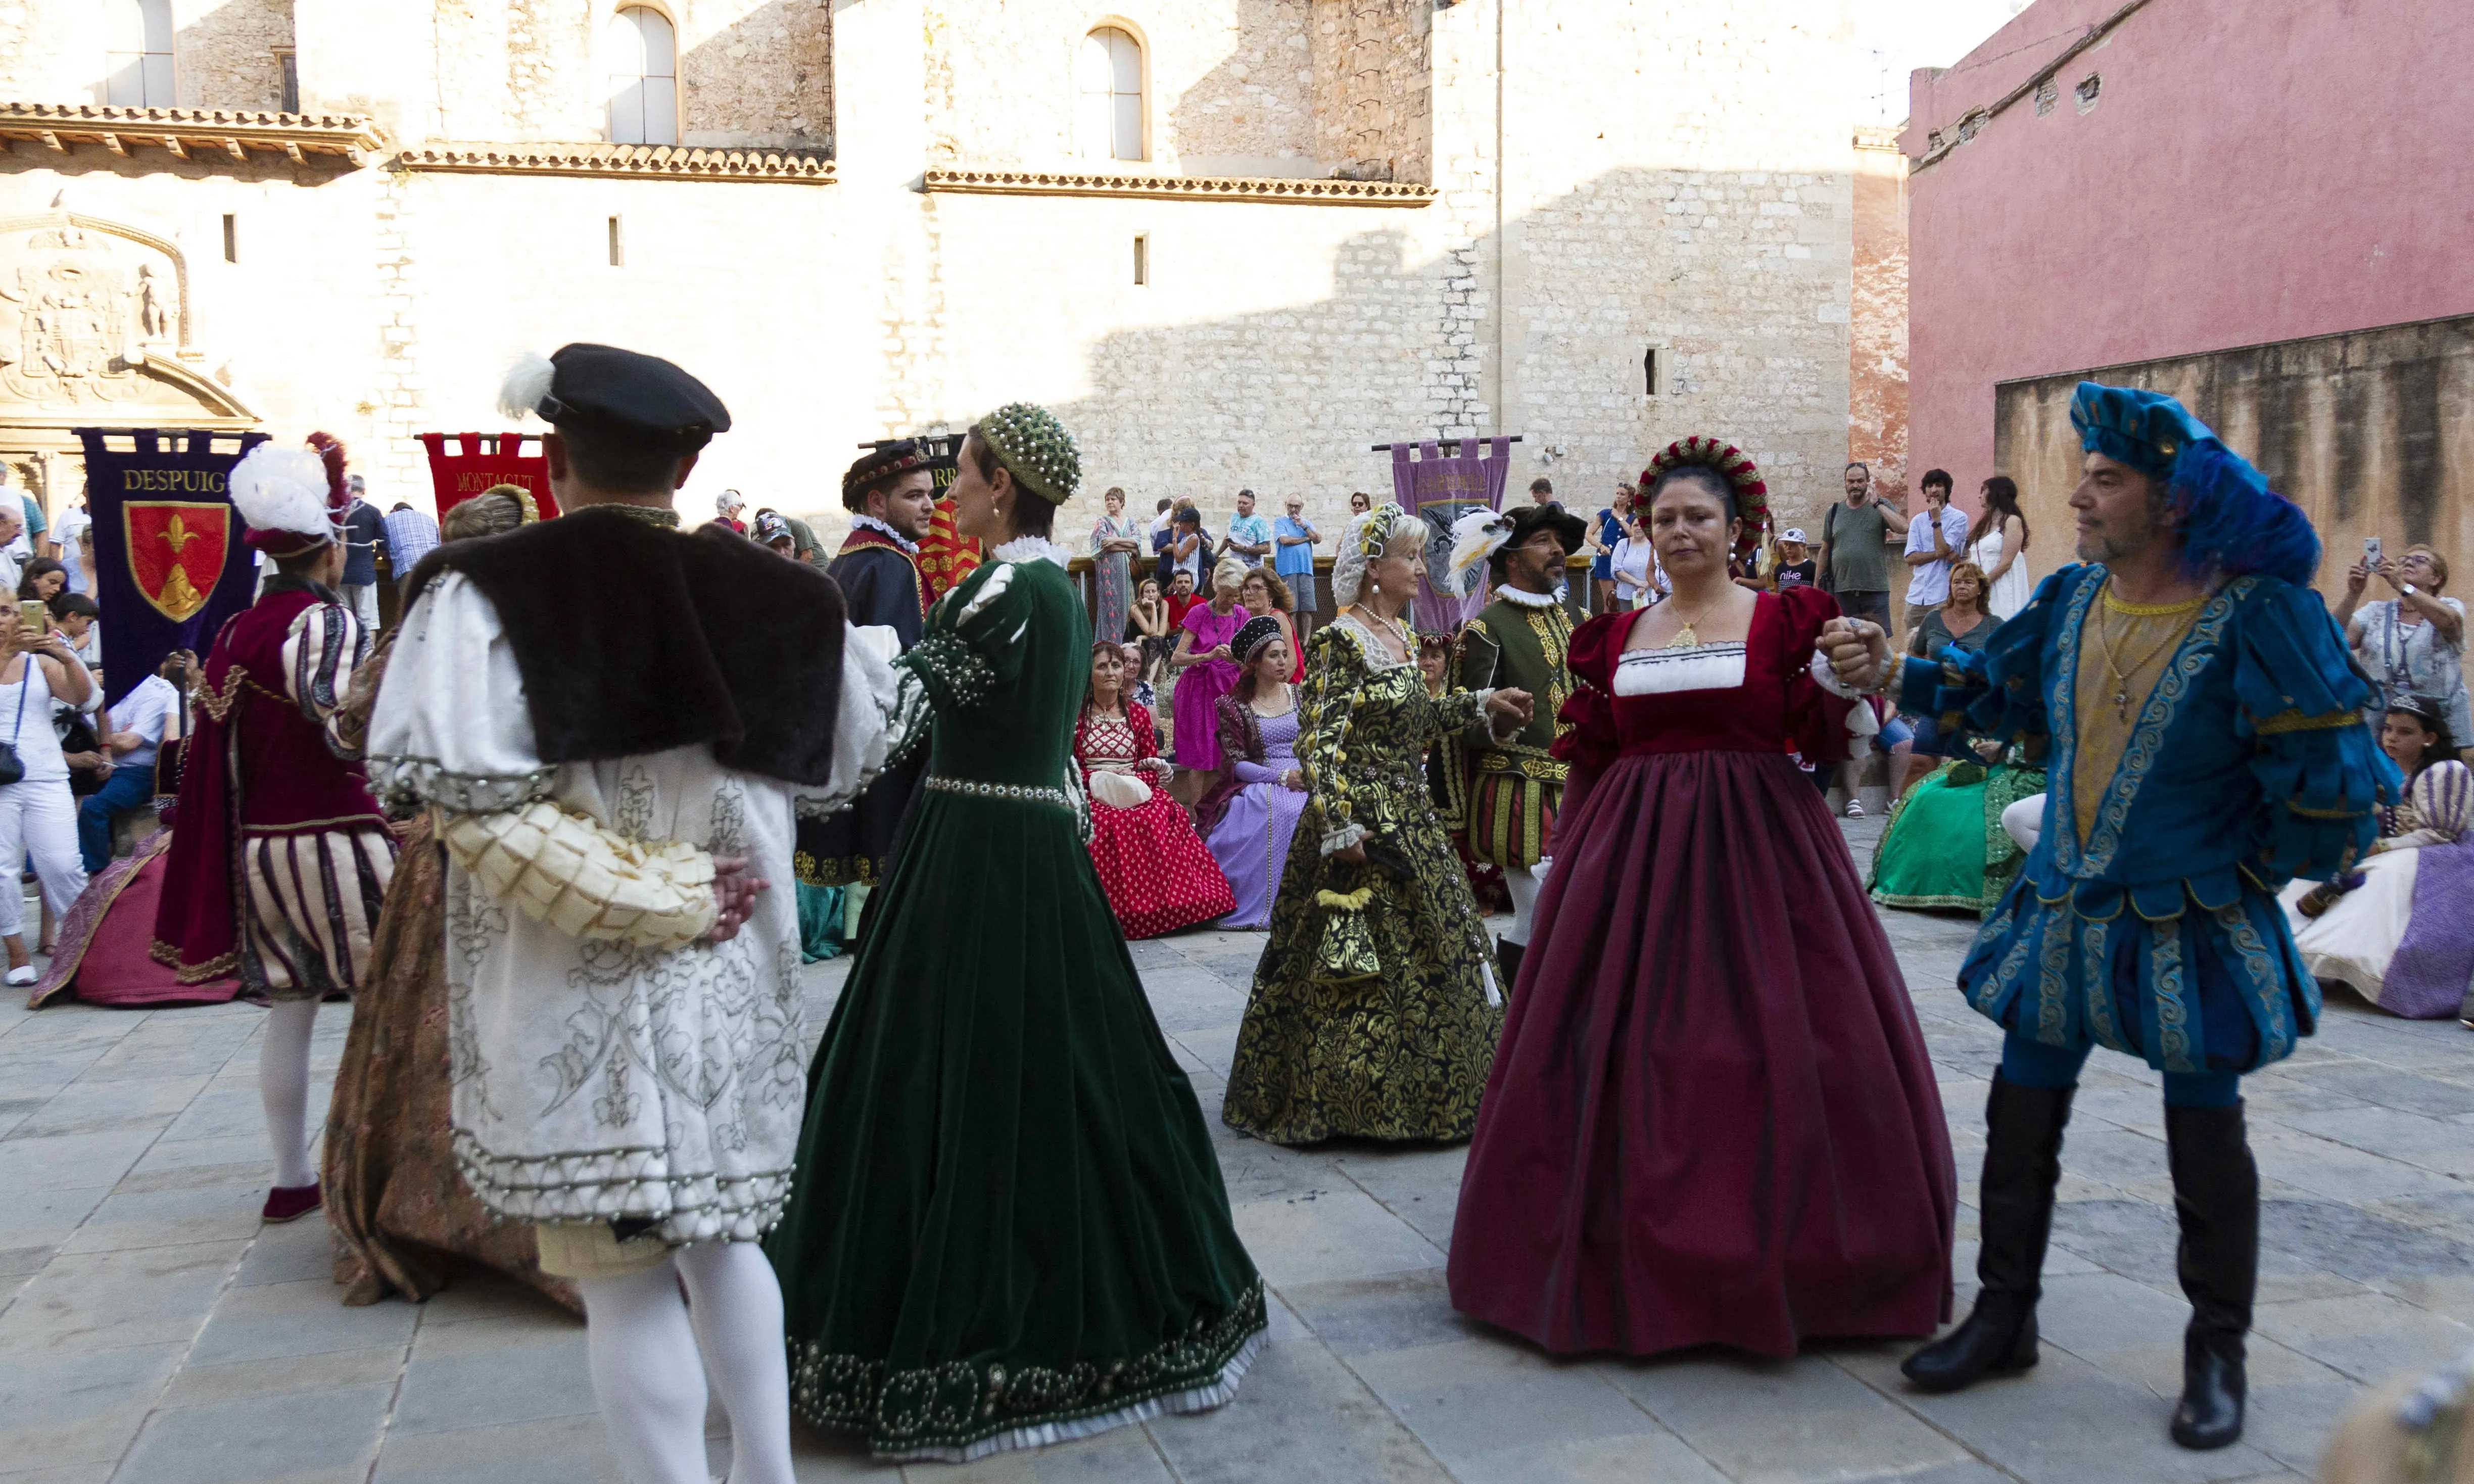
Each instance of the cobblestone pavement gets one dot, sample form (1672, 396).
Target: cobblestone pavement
(154, 1333)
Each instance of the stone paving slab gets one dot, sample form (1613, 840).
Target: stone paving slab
(153, 1332)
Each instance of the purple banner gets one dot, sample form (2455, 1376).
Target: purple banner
(1440, 490)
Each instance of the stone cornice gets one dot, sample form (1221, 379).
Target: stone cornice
(1295, 190)
(206, 135)
(631, 162)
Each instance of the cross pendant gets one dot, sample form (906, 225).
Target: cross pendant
(2122, 704)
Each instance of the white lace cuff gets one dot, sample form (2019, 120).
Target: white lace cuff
(1342, 839)
(1826, 675)
(582, 878)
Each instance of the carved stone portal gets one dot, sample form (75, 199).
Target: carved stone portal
(94, 328)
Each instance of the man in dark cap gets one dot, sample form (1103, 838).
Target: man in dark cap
(1509, 790)
(891, 495)
(615, 726)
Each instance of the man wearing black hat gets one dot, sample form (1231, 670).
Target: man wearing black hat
(615, 724)
(1509, 789)
(891, 495)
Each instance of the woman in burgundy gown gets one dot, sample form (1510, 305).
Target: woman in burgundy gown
(1711, 1119)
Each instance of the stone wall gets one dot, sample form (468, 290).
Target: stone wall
(1372, 76)
(223, 52)
(752, 73)
(1611, 177)
(2371, 432)
(1877, 400)
(1647, 201)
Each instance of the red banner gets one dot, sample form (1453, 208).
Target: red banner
(482, 460)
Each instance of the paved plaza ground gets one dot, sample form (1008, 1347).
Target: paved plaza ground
(154, 1333)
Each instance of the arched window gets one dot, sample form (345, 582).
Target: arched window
(643, 77)
(1108, 124)
(137, 59)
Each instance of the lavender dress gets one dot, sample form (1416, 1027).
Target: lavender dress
(1251, 840)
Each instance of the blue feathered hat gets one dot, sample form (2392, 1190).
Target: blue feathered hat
(2231, 520)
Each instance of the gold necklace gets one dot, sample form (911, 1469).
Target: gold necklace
(2105, 643)
(1685, 638)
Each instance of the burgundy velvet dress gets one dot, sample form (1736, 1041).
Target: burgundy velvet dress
(1711, 1119)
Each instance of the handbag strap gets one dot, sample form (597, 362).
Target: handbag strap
(25, 684)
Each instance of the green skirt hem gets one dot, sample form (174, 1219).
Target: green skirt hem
(961, 1410)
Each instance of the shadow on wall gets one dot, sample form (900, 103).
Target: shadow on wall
(2371, 432)
(764, 80)
(225, 52)
(1292, 397)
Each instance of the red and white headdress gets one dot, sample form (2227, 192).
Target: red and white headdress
(1743, 475)
(293, 500)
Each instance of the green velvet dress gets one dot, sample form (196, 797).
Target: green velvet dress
(1945, 847)
(1370, 1015)
(1008, 1227)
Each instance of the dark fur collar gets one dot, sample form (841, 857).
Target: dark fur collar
(633, 639)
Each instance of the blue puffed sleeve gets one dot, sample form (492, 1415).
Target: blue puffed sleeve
(2305, 707)
(1996, 692)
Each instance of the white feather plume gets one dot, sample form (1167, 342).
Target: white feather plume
(277, 489)
(527, 382)
(1476, 537)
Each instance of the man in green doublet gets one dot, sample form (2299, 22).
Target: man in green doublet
(1504, 793)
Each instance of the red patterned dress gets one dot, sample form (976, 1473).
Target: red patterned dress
(1154, 869)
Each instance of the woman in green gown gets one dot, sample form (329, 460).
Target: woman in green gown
(1945, 847)
(1373, 1013)
(1008, 1228)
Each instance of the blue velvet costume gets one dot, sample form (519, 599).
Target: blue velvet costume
(2250, 764)
(2158, 932)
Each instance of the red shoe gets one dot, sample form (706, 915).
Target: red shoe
(291, 1203)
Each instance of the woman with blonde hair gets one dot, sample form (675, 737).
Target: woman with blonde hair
(1205, 668)
(1375, 1011)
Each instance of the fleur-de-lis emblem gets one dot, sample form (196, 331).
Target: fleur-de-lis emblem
(177, 534)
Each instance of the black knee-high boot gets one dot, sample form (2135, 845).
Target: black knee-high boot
(2023, 1162)
(2216, 1194)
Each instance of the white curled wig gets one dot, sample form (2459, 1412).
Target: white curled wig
(1371, 535)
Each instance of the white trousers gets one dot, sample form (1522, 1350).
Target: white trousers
(39, 817)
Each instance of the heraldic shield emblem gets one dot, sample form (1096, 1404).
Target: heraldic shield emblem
(176, 551)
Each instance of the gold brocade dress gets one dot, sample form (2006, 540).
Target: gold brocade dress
(1370, 1014)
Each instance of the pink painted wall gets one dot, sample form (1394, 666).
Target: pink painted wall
(2252, 171)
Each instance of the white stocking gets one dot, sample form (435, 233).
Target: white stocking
(736, 1302)
(284, 1086)
(1522, 888)
(646, 1379)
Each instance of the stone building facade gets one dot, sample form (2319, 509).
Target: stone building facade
(1317, 225)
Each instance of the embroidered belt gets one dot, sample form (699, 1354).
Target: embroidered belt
(1030, 793)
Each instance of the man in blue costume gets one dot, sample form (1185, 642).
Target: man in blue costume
(2203, 730)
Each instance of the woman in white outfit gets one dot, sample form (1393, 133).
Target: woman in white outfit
(37, 817)
(1998, 543)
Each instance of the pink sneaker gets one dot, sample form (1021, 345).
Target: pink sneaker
(291, 1203)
